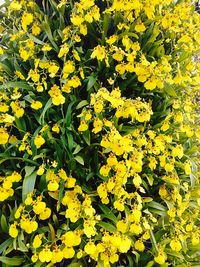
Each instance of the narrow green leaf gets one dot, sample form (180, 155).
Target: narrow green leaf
(86, 137)
(47, 29)
(46, 107)
(4, 225)
(77, 149)
(28, 184)
(91, 81)
(18, 158)
(170, 90)
(14, 261)
(29, 170)
(82, 104)
(79, 159)
(68, 116)
(61, 193)
(107, 211)
(5, 244)
(21, 246)
(107, 226)
(21, 85)
(157, 205)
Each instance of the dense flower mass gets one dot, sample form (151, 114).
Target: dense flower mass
(99, 133)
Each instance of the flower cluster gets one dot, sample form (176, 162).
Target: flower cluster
(99, 133)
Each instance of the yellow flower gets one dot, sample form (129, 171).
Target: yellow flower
(139, 245)
(27, 19)
(124, 245)
(13, 232)
(15, 5)
(89, 227)
(41, 170)
(161, 257)
(137, 180)
(177, 151)
(169, 167)
(76, 20)
(20, 75)
(74, 82)
(53, 185)
(56, 95)
(36, 105)
(68, 253)
(187, 167)
(98, 124)
(135, 215)
(150, 84)
(63, 50)
(37, 241)
(140, 27)
(175, 245)
(3, 107)
(56, 128)
(45, 214)
(122, 226)
(99, 52)
(53, 69)
(83, 126)
(4, 136)
(17, 109)
(68, 68)
(46, 47)
(90, 248)
(34, 257)
(28, 226)
(39, 141)
(45, 255)
(195, 238)
(38, 207)
(35, 29)
(57, 255)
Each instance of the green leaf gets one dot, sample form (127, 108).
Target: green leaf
(108, 227)
(46, 107)
(82, 104)
(4, 225)
(77, 149)
(150, 264)
(86, 137)
(14, 261)
(47, 29)
(5, 244)
(28, 184)
(91, 81)
(68, 116)
(130, 259)
(21, 246)
(108, 212)
(70, 140)
(60, 193)
(157, 206)
(170, 90)
(106, 22)
(174, 253)
(18, 158)
(149, 179)
(153, 240)
(21, 85)
(79, 159)
(29, 170)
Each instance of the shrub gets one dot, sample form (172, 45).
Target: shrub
(99, 133)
